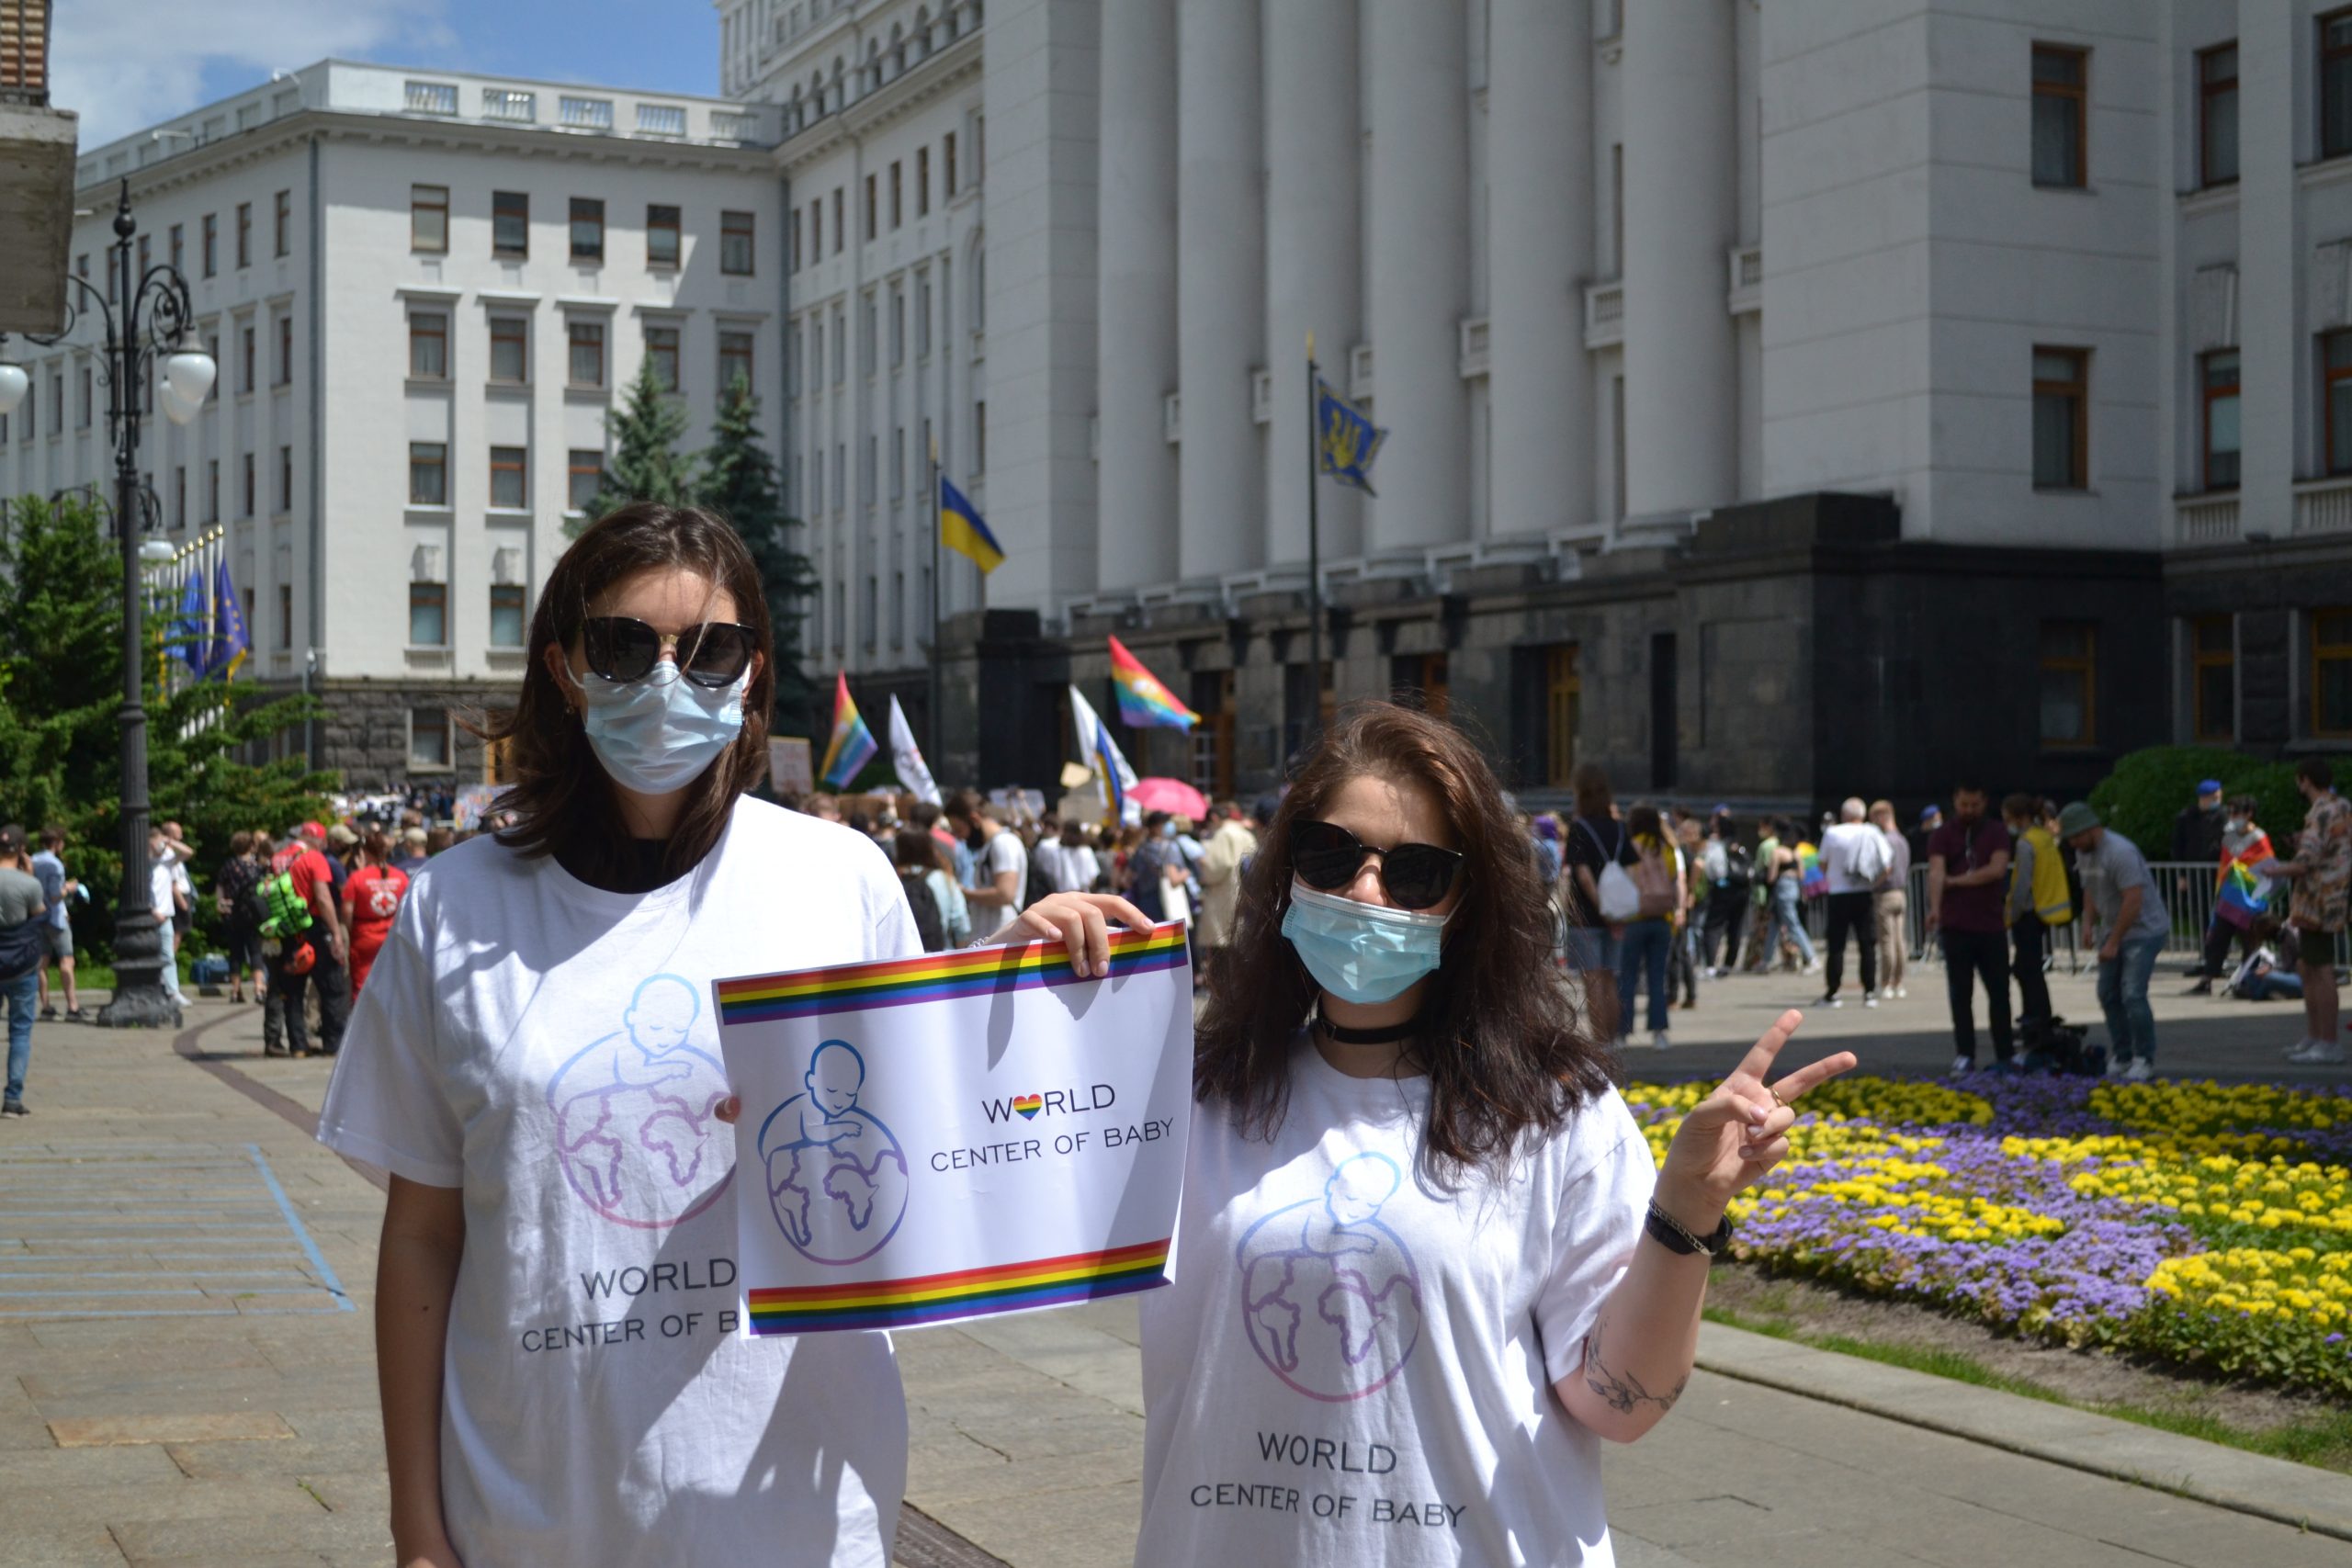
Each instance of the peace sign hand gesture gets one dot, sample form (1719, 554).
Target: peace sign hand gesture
(1731, 1139)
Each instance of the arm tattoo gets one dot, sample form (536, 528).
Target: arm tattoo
(1623, 1392)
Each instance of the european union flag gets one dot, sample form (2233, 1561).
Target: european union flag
(188, 630)
(231, 638)
(1345, 441)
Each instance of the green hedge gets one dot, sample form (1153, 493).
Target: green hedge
(2148, 788)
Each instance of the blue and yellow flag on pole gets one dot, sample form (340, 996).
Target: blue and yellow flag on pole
(231, 640)
(1345, 441)
(961, 530)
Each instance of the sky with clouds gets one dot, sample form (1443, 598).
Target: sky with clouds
(122, 64)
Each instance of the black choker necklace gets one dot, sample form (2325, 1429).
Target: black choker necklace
(1386, 1034)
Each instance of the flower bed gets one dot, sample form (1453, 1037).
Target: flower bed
(2206, 1224)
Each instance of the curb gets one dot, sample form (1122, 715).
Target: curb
(2300, 1497)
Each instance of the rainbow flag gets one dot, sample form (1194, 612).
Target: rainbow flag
(2243, 897)
(1143, 700)
(853, 745)
(896, 982)
(1812, 880)
(970, 1293)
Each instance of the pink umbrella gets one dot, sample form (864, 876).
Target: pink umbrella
(1173, 795)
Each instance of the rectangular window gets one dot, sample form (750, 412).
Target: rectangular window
(428, 614)
(980, 437)
(922, 315)
(286, 479)
(2069, 684)
(2218, 373)
(2331, 632)
(252, 495)
(587, 229)
(735, 235)
(2335, 84)
(179, 496)
(661, 246)
(869, 346)
(898, 326)
(143, 259)
(428, 738)
(870, 477)
(282, 221)
(245, 233)
(817, 230)
(212, 348)
(816, 473)
(2061, 97)
(841, 221)
(2217, 114)
(212, 490)
(179, 246)
(585, 478)
(840, 348)
(923, 181)
(841, 613)
(872, 215)
(284, 613)
(246, 379)
(2061, 418)
(508, 487)
(510, 225)
(1563, 712)
(506, 614)
(2335, 361)
(897, 210)
(428, 473)
(284, 350)
(873, 609)
(510, 349)
(661, 353)
(947, 164)
(587, 352)
(212, 244)
(429, 218)
(2213, 689)
(85, 397)
(734, 360)
(428, 346)
(898, 461)
(897, 609)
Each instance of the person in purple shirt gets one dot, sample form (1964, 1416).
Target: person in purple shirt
(1968, 868)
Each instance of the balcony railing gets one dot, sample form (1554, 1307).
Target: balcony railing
(432, 97)
(1472, 351)
(2208, 520)
(506, 103)
(2325, 506)
(1604, 314)
(586, 113)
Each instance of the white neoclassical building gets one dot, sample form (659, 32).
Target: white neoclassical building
(425, 290)
(1782, 398)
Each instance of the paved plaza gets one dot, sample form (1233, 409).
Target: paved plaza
(185, 1334)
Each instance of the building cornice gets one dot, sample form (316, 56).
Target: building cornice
(897, 100)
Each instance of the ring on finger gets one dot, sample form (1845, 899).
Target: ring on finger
(1776, 1096)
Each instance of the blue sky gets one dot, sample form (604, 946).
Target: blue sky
(125, 63)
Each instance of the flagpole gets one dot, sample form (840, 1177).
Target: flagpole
(938, 523)
(1314, 545)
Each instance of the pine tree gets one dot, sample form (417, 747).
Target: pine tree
(646, 464)
(738, 481)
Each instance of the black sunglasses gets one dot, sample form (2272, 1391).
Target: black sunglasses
(712, 655)
(1327, 858)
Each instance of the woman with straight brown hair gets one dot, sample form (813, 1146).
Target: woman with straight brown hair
(534, 1063)
(1426, 1258)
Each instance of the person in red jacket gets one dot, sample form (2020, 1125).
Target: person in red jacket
(371, 897)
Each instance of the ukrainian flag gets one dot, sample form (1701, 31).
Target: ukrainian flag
(961, 530)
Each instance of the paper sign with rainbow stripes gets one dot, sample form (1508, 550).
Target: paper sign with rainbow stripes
(957, 1134)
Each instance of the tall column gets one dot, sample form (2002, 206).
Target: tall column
(1681, 359)
(2268, 300)
(1539, 164)
(1418, 270)
(1136, 305)
(1220, 283)
(1314, 255)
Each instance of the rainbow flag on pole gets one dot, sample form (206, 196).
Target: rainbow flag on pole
(1143, 700)
(1813, 877)
(853, 745)
(2242, 897)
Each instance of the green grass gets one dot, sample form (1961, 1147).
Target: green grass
(2325, 1441)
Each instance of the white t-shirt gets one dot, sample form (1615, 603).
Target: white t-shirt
(1005, 853)
(548, 1047)
(1853, 855)
(159, 887)
(1353, 1367)
(1072, 868)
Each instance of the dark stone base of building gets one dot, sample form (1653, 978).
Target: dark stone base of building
(379, 735)
(1784, 656)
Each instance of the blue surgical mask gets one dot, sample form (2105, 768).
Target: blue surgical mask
(1358, 952)
(658, 734)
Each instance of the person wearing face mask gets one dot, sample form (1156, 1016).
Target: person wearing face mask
(2243, 842)
(534, 1061)
(1420, 1228)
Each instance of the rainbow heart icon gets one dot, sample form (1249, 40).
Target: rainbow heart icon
(1028, 1105)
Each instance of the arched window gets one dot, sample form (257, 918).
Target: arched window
(897, 51)
(922, 33)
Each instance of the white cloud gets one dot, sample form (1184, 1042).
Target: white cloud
(125, 63)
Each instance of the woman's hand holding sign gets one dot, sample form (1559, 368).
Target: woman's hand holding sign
(1080, 921)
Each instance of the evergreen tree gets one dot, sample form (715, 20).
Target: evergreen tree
(646, 464)
(738, 481)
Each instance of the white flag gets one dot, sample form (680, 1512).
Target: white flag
(1102, 754)
(908, 758)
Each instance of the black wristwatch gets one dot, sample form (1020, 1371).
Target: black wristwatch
(1672, 1235)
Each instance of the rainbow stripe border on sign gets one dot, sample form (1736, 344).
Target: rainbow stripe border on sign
(855, 987)
(970, 1293)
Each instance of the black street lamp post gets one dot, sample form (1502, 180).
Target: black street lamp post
(154, 321)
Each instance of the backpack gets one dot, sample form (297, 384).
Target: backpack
(285, 913)
(924, 904)
(1040, 884)
(1740, 867)
(1653, 879)
(1619, 900)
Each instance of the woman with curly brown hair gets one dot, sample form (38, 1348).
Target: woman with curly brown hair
(1425, 1258)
